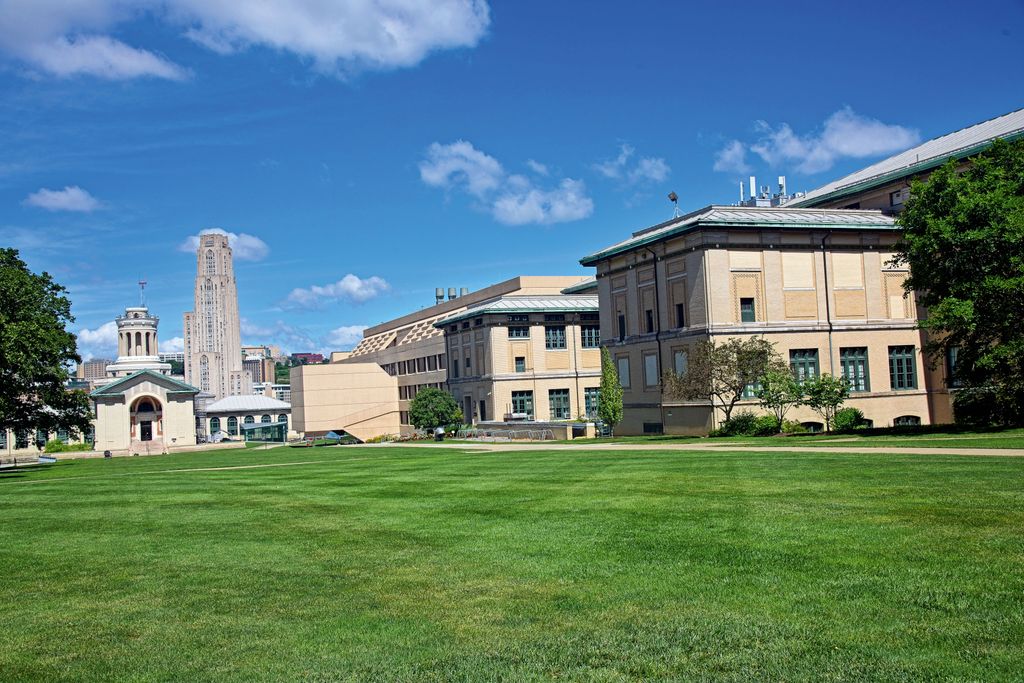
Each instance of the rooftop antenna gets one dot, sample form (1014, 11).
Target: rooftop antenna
(674, 198)
(142, 293)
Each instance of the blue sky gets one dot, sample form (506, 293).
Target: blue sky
(365, 153)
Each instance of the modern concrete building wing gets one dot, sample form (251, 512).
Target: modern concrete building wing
(820, 284)
(885, 185)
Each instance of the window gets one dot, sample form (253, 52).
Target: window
(90, 435)
(804, 364)
(623, 367)
(442, 362)
(747, 312)
(680, 361)
(854, 364)
(265, 419)
(62, 435)
(952, 358)
(558, 400)
(468, 363)
(622, 326)
(649, 320)
(899, 197)
(249, 419)
(478, 322)
(421, 365)
(592, 400)
(465, 325)
(41, 437)
(591, 336)
(651, 378)
(520, 363)
(431, 363)
(522, 403)
(3, 439)
(906, 421)
(21, 438)
(680, 315)
(554, 337)
(233, 426)
(519, 318)
(283, 419)
(518, 332)
(214, 425)
(455, 369)
(554, 318)
(902, 371)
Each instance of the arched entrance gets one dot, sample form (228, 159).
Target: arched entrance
(147, 419)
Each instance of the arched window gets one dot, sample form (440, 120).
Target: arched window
(138, 343)
(249, 419)
(214, 425)
(145, 406)
(211, 263)
(284, 419)
(906, 421)
(233, 426)
(265, 419)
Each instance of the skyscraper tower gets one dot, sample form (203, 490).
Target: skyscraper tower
(213, 344)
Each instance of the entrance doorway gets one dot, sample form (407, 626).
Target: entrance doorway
(146, 431)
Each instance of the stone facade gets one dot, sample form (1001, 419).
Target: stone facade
(146, 412)
(213, 346)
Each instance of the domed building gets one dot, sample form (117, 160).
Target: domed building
(253, 417)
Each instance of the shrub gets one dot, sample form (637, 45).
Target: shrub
(847, 419)
(742, 423)
(791, 427)
(766, 425)
(58, 446)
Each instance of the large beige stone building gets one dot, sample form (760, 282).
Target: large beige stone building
(818, 283)
(367, 392)
(213, 345)
(525, 358)
(145, 412)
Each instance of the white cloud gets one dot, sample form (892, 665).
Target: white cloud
(172, 345)
(512, 199)
(293, 339)
(349, 288)
(65, 38)
(645, 170)
(537, 167)
(732, 158)
(71, 198)
(245, 247)
(98, 343)
(345, 337)
(844, 134)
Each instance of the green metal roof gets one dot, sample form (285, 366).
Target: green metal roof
(181, 387)
(749, 217)
(513, 305)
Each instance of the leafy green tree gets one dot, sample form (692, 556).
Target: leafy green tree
(721, 373)
(825, 394)
(609, 402)
(36, 352)
(963, 238)
(432, 408)
(779, 391)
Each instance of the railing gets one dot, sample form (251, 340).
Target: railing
(506, 434)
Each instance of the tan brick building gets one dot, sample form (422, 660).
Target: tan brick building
(525, 358)
(817, 283)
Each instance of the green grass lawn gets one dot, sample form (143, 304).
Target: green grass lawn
(401, 563)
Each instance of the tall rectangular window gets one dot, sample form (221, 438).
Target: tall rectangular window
(747, 312)
(680, 361)
(519, 332)
(554, 337)
(680, 315)
(651, 378)
(902, 368)
(649, 320)
(804, 364)
(522, 403)
(953, 380)
(854, 364)
(591, 335)
(520, 363)
(558, 401)
(622, 326)
(591, 400)
(622, 363)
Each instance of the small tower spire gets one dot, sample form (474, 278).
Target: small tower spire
(142, 292)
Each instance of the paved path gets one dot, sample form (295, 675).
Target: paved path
(714, 447)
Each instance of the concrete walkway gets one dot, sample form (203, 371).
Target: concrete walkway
(713, 447)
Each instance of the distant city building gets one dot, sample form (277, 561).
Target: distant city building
(307, 358)
(260, 368)
(95, 369)
(213, 347)
(172, 356)
(257, 350)
(282, 392)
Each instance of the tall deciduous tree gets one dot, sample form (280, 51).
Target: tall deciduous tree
(36, 352)
(609, 404)
(720, 373)
(432, 408)
(963, 238)
(779, 391)
(825, 394)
